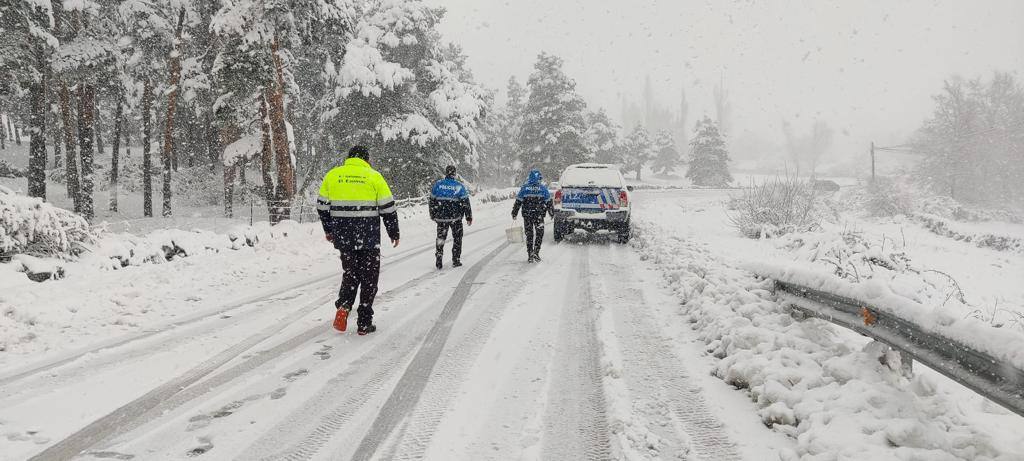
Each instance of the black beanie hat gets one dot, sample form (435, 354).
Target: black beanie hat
(359, 152)
(450, 170)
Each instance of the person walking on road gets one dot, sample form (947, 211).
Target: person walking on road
(354, 199)
(449, 204)
(535, 201)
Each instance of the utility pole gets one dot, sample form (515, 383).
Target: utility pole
(872, 162)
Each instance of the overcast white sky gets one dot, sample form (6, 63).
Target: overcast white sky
(867, 67)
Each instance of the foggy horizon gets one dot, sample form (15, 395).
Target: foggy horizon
(868, 69)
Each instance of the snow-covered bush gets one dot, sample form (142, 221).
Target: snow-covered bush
(888, 197)
(869, 269)
(949, 208)
(940, 226)
(8, 171)
(775, 207)
(31, 226)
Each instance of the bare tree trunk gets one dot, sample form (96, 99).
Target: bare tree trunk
(266, 160)
(127, 142)
(206, 42)
(86, 95)
(3, 133)
(190, 136)
(70, 160)
(285, 171)
(98, 131)
(224, 136)
(169, 156)
(211, 141)
(229, 190)
(114, 155)
(55, 133)
(147, 161)
(37, 141)
(14, 130)
(242, 164)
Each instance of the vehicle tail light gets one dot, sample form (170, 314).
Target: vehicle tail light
(558, 197)
(623, 198)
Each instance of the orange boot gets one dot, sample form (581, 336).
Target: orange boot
(341, 319)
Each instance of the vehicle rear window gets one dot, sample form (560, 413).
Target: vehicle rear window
(592, 177)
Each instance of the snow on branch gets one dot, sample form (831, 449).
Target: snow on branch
(414, 128)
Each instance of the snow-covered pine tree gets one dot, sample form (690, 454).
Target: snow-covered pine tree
(149, 37)
(554, 123)
(602, 138)
(709, 160)
(27, 62)
(681, 127)
(499, 162)
(666, 155)
(264, 42)
(638, 151)
(87, 55)
(404, 94)
(723, 108)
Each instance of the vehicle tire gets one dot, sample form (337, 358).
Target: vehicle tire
(624, 233)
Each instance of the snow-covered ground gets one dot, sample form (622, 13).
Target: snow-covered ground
(666, 348)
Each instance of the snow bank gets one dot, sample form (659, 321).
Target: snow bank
(810, 380)
(843, 263)
(116, 251)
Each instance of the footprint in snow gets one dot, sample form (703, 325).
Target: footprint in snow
(325, 352)
(205, 446)
(292, 376)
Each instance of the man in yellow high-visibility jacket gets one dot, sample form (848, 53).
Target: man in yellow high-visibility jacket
(354, 199)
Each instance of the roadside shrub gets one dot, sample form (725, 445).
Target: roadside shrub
(8, 171)
(775, 207)
(887, 197)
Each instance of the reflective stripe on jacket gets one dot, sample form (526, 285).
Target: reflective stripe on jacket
(449, 201)
(354, 198)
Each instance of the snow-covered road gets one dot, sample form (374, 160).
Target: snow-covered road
(584, 356)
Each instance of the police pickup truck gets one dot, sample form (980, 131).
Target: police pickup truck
(592, 197)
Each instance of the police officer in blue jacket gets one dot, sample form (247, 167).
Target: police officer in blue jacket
(535, 201)
(449, 204)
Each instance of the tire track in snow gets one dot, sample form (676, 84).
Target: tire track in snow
(415, 437)
(199, 317)
(175, 393)
(575, 425)
(654, 372)
(345, 395)
(75, 372)
(410, 386)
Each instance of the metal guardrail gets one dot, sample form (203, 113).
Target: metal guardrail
(994, 379)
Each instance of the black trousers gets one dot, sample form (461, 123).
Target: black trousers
(534, 230)
(442, 235)
(362, 272)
